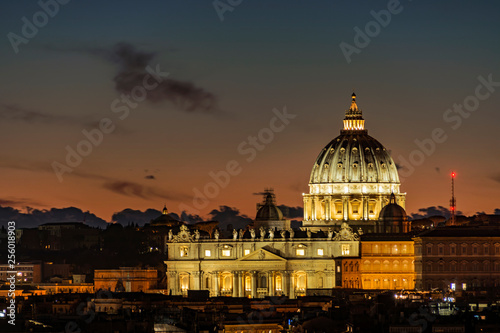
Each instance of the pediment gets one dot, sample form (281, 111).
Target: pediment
(261, 255)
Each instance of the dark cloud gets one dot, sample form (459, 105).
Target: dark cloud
(291, 212)
(229, 216)
(497, 211)
(34, 217)
(496, 178)
(438, 169)
(132, 64)
(14, 112)
(19, 202)
(432, 211)
(129, 215)
(150, 177)
(137, 190)
(191, 218)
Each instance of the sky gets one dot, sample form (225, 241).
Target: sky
(228, 98)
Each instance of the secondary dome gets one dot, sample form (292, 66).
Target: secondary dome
(392, 212)
(269, 210)
(354, 156)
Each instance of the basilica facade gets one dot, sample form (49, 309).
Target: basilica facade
(354, 190)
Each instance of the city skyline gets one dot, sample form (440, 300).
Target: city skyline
(222, 77)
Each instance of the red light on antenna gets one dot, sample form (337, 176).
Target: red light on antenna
(453, 174)
(452, 208)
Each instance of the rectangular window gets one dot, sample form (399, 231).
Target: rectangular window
(453, 286)
(300, 252)
(226, 253)
(429, 250)
(452, 250)
(320, 252)
(208, 253)
(440, 250)
(345, 249)
(246, 252)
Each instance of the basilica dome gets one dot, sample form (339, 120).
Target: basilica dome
(352, 178)
(354, 156)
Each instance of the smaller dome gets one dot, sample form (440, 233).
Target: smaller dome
(392, 211)
(268, 210)
(165, 219)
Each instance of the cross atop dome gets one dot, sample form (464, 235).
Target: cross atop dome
(353, 120)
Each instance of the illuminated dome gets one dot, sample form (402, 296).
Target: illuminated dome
(352, 177)
(354, 156)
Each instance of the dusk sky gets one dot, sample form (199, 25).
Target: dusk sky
(228, 69)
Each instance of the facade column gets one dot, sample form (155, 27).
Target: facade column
(215, 284)
(271, 287)
(196, 277)
(286, 282)
(172, 282)
(292, 286)
(254, 284)
(328, 206)
(313, 208)
(235, 283)
(241, 284)
(345, 207)
(306, 208)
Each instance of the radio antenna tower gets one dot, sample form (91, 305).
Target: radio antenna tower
(453, 202)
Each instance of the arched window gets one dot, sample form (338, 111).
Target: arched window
(279, 282)
(395, 265)
(301, 281)
(248, 283)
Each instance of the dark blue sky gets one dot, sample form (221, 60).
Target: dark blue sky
(263, 55)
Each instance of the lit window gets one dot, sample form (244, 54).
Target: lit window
(184, 251)
(246, 252)
(320, 252)
(345, 249)
(464, 286)
(226, 253)
(208, 253)
(301, 252)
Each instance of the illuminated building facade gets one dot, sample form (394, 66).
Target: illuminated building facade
(352, 179)
(387, 261)
(126, 279)
(256, 263)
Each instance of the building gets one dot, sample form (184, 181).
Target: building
(458, 258)
(352, 179)
(354, 190)
(257, 263)
(127, 279)
(25, 272)
(387, 261)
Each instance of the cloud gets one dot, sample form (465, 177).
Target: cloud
(432, 211)
(34, 217)
(129, 215)
(132, 189)
(438, 169)
(132, 64)
(229, 217)
(496, 177)
(14, 112)
(150, 177)
(292, 212)
(497, 211)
